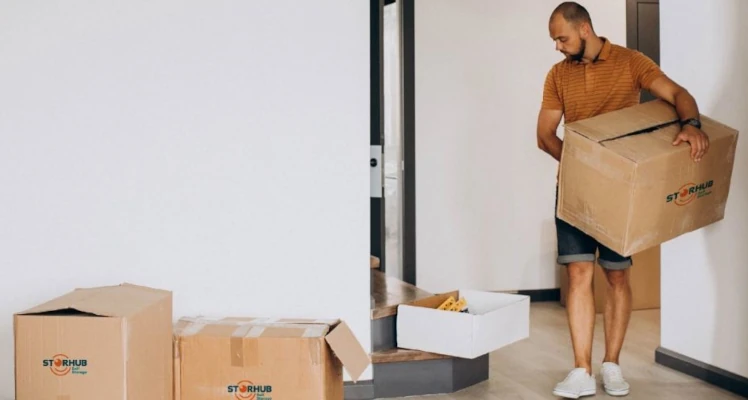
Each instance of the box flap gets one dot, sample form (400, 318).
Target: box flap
(107, 301)
(349, 351)
(283, 330)
(628, 121)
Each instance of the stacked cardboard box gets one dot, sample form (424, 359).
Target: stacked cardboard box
(623, 182)
(97, 343)
(120, 342)
(261, 359)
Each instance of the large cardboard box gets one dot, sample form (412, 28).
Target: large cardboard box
(644, 277)
(110, 342)
(623, 182)
(263, 359)
(493, 320)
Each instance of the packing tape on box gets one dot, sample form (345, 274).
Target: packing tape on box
(201, 318)
(175, 345)
(193, 328)
(63, 397)
(315, 351)
(210, 321)
(315, 331)
(255, 331)
(240, 357)
(325, 321)
(309, 330)
(195, 325)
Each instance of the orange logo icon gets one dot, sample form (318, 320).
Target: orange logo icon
(244, 393)
(60, 366)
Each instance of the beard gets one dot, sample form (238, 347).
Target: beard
(578, 56)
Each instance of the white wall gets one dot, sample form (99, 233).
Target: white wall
(704, 300)
(485, 193)
(219, 150)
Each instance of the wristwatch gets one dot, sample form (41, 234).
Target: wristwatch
(691, 121)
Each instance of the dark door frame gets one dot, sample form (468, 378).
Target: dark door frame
(378, 226)
(409, 142)
(376, 135)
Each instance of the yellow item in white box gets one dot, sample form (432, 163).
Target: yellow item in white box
(447, 305)
(453, 305)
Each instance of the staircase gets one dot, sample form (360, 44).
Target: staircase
(403, 372)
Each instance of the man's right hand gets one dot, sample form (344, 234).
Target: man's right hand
(548, 140)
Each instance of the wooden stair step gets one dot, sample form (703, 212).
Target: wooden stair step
(403, 355)
(389, 292)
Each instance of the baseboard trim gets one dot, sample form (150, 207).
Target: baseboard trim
(541, 295)
(716, 376)
(362, 390)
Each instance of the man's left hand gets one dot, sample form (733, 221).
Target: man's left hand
(698, 140)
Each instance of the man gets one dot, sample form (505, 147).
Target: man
(598, 77)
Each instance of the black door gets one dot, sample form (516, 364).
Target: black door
(643, 31)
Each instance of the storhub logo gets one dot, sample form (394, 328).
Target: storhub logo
(690, 191)
(62, 365)
(246, 390)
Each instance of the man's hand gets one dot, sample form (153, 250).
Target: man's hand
(698, 140)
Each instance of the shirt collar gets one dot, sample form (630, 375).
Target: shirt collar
(605, 51)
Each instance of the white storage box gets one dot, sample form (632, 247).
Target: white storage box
(494, 320)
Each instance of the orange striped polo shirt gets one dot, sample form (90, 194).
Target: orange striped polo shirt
(613, 81)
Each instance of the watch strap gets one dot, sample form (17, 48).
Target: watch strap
(691, 121)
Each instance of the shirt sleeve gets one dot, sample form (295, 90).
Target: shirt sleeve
(644, 70)
(551, 97)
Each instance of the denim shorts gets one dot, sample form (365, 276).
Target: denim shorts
(576, 246)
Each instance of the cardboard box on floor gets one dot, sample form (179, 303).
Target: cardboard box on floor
(262, 359)
(644, 277)
(623, 182)
(96, 343)
(493, 321)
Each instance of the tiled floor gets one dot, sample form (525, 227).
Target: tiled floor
(529, 369)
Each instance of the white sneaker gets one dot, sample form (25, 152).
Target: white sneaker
(613, 381)
(577, 384)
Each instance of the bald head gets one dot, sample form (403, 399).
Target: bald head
(570, 27)
(573, 12)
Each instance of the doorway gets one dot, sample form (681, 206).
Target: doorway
(393, 139)
(393, 119)
(643, 31)
(388, 141)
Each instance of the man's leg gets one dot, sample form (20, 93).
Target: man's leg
(617, 315)
(577, 251)
(580, 309)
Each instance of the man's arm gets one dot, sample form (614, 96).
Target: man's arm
(650, 77)
(664, 88)
(685, 105)
(548, 140)
(551, 110)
